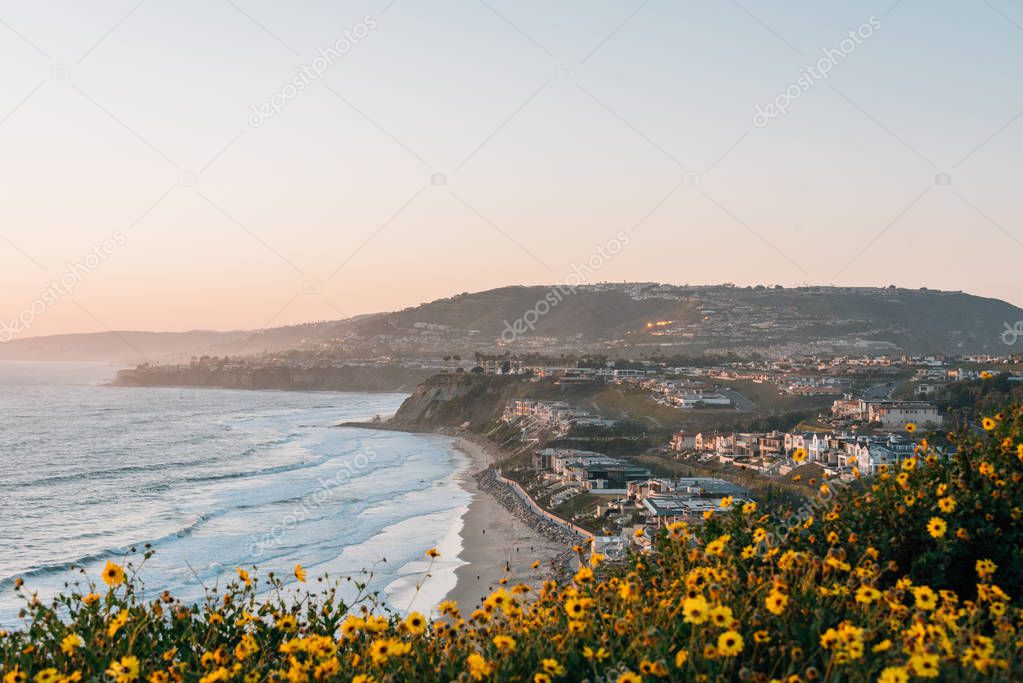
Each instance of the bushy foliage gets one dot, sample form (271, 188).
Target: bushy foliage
(908, 575)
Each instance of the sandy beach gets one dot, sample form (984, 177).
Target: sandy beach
(495, 543)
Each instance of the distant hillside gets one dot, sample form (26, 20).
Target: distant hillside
(854, 320)
(132, 347)
(625, 319)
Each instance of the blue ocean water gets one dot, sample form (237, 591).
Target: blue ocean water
(214, 479)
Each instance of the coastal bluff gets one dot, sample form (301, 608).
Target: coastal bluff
(451, 400)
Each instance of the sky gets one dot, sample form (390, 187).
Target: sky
(226, 164)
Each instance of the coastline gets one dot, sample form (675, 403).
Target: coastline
(495, 543)
(500, 537)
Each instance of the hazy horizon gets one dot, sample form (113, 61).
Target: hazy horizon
(239, 165)
(418, 303)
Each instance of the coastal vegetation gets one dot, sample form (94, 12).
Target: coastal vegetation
(914, 574)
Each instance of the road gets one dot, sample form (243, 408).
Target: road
(742, 404)
(879, 391)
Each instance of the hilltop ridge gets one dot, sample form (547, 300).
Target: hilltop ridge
(622, 318)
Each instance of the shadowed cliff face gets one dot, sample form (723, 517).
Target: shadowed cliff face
(452, 400)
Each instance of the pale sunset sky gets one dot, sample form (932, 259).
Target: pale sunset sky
(457, 146)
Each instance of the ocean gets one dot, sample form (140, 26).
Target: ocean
(216, 479)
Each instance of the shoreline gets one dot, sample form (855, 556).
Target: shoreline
(501, 538)
(496, 544)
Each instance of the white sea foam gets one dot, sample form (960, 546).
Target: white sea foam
(87, 472)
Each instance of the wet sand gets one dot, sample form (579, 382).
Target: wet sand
(493, 538)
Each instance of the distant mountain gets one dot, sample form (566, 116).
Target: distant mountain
(625, 318)
(131, 347)
(691, 319)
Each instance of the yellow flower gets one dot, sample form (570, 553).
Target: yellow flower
(925, 598)
(985, 568)
(575, 607)
(599, 655)
(867, 595)
(893, 674)
(629, 677)
(924, 665)
(125, 670)
(116, 623)
(883, 646)
(299, 573)
(655, 669)
(286, 622)
(947, 504)
(246, 648)
(432, 553)
(584, 575)
(721, 616)
(910, 427)
(696, 610)
(47, 676)
(681, 657)
(552, 666)
(504, 643)
(988, 424)
(244, 576)
(415, 623)
(113, 574)
(15, 675)
(729, 644)
(776, 602)
(799, 455)
(70, 643)
(725, 502)
(541, 678)
(717, 546)
(937, 527)
(382, 649)
(479, 667)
